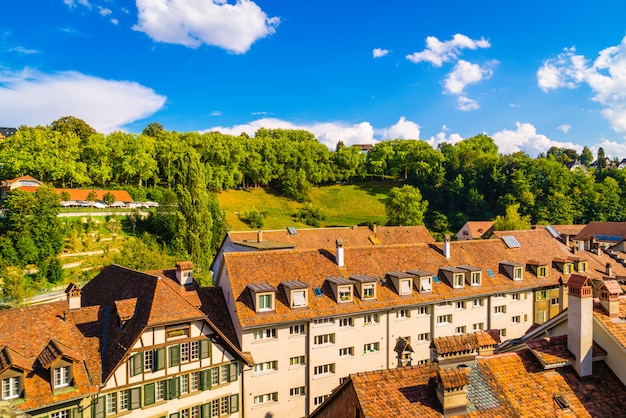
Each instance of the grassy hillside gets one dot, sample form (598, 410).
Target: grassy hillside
(343, 205)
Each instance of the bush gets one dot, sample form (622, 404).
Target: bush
(253, 218)
(311, 215)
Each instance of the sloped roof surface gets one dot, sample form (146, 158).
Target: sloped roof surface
(602, 228)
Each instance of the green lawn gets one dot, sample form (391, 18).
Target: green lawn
(343, 205)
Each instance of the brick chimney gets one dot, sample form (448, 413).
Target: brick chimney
(609, 270)
(580, 323)
(609, 297)
(452, 390)
(339, 252)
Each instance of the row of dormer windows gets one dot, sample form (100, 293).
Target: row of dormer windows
(12, 384)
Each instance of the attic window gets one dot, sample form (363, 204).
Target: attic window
(345, 293)
(476, 278)
(405, 287)
(458, 280)
(369, 291)
(426, 286)
(61, 376)
(562, 403)
(517, 273)
(318, 292)
(10, 387)
(298, 298)
(265, 302)
(582, 266)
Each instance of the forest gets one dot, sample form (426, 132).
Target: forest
(442, 187)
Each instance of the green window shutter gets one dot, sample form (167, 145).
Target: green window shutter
(98, 408)
(136, 364)
(205, 381)
(134, 398)
(234, 403)
(148, 394)
(233, 371)
(205, 410)
(174, 388)
(205, 348)
(174, 355)
(159, 362)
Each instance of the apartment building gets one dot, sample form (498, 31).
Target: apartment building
(128, 343)
(313, 316)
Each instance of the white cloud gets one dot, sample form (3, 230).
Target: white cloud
(104, 11)
(234, 27)
(611, 149)
(525, 138)
(564, 128)
(403, 129)
(377, 52)
(31, 98)
(606, 77)
(442, 137)
(72, 3)
(25, 51)
(466, 104)
(329, 133)
(115, 21)
(438, 52)
(216, 113)
(464, 73)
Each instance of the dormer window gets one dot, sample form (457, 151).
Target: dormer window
(61, 376)
(566, 266)
(265, 302)
(458, 280)
(473, 275)
(296, 292)
(264, 296)
(425, 284)
(513, 270)
(345, 293)
(539, 268)
(424, 280)
(365, 286)
(11, 387)
(582, 266)
(342, 288)
(403, 282)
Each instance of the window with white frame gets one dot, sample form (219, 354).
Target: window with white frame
(66, 413)
(423, 337)
(371, 347)
(324, 339)
(264, 334)
(476, 278)
(346, 352)
(318, 400)
(370, 319)
(297, 361)
(265, 302)
(426, 285)
(265, 398)
(458, 280)
(110, 403)
(159, 390)
(444, 319)
(123, 398)
(184, 352)
(194, 381)
(61, 376)
(477, 303)
(554, 301)
(403, 313)
(194, 348)
(405, 287)
(460, 304)
(324, 369)
(299, 391)
(516, 319)
(368, 291)
(184, 383)
(298, 298)
(478, 326)
(516, 296)
(346, 322)
(296, 329)
(517, 273)
(345, 293)
(324, 321)
(423, 310)
(148, 360)
(460, 330)
(10, 387)
(567, 268)
(268, 366)
(499, 310)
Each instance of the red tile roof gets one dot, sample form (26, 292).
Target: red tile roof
(81, 194)
(602, 228)
(314, 266)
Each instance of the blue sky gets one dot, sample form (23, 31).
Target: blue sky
(531, 74)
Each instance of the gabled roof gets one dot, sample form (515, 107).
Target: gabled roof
(595, 229)
(479, 229)
(48, 332)
(81, 194)
(463, 343)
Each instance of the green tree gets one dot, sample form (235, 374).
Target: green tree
(404, 206)
(253, 217)
(92, 196)
(76, 126)
(512, 220)
(601, 161)
(143, 254)
(14, 290)
(586, 157)
(108, 198)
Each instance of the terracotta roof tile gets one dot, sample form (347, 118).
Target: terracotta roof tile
(11, 358)
(454, 378)
(615, 326)
(313, 266)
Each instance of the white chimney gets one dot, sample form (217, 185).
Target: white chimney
(580, 323)
(446, 246)
(73, 293)
(184, 271)
(339, 252)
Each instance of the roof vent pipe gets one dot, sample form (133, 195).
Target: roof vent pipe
(446, 246)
